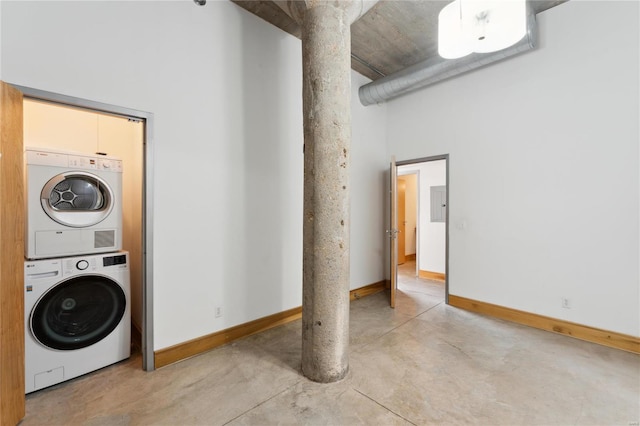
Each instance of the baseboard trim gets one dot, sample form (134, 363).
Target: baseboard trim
(172, 354)
(578, 331)
(202, 344)
(435, 276)
(410, 256)
(368, 290)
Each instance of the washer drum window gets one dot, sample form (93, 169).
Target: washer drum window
(78, 312)
(77, 199)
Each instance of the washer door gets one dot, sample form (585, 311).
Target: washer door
(78, 312)
(77, 199)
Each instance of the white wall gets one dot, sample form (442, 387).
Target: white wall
(543, 168)
(225, 89)
(228, 152)
(368, 178)
(432, 235)
(1, 43)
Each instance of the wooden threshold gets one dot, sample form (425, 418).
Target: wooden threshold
(164, 357)
(578, 331)
(435, 276)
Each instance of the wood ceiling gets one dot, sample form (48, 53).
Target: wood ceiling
(391, 36)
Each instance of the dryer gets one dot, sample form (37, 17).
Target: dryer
(77, 316)
(74, 203)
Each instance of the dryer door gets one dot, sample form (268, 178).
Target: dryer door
(77, 199)
(78, 312)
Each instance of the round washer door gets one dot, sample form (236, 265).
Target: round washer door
(78, 312)
(77, 199)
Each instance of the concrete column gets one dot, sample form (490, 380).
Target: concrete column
(326, 47)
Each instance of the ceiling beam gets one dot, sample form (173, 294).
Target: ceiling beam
(270, 12)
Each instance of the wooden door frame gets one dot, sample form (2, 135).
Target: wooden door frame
(12, 222)
(147, 199)
(446, 238)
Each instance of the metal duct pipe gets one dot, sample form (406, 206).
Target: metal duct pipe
(437, 68)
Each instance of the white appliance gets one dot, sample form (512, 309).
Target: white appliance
(77, 316)
(74, 203)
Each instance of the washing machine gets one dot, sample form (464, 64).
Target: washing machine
(74, 203)
(77, 316)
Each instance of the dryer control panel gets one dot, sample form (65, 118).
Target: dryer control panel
(73, 161)
(109, 165)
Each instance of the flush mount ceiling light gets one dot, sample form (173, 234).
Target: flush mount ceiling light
(467, 26)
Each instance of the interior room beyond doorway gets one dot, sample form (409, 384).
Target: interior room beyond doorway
(422, 213)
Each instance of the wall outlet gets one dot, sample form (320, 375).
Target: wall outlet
(566, 303)
(218, 311)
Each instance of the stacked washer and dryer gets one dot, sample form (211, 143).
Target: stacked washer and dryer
(77, 282)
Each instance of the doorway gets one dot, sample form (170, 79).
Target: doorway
(428, 236)
(71, 124)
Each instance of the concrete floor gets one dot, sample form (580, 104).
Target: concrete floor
(422, 363)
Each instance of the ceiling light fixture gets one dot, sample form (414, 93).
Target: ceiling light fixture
(467, 26)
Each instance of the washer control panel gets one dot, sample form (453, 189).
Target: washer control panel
(92, 264)
(73, 265)
(120, 259)
(82, 265)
